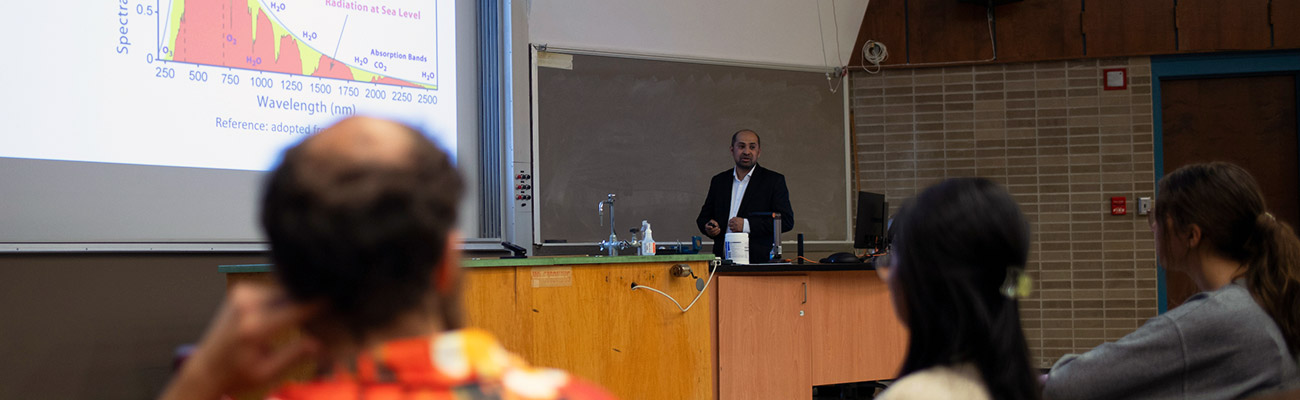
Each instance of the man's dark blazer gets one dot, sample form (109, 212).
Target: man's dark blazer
(766, 193)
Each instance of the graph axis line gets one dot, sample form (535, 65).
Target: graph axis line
(166, 27)
(435, 88)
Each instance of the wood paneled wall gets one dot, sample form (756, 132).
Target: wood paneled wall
(929, 32)
(1284, 15)
(1041, 29)
(1123, 27)
(884, 21)
(963, 35)
(1210, 25)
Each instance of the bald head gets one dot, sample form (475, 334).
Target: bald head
(358, 216)
(361, 141)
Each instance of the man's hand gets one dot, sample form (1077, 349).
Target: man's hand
(237, 352)
(712, 229)
(736, 224)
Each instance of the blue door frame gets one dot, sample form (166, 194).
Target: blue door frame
(1209, 66)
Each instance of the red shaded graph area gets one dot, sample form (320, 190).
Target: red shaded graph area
(328, 68)
(215, 32)
(289, 61)
(221, 33)
(391, 81)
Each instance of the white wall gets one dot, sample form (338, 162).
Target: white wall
(780, 32)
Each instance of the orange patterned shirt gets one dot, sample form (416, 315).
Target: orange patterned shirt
(456, 365)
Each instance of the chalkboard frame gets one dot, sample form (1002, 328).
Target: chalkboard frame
(839, 229)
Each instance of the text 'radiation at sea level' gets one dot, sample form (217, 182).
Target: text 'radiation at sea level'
(384, 10)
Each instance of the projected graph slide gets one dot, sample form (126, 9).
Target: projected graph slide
(380, 41)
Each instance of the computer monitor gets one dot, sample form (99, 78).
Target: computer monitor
(873, 212)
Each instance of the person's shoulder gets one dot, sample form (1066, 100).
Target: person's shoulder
(940, 382)
(1232, 343)
(1230, 319)
(467, 361)
(1229, 303)
(722, 175)
(530, 382)
(516, 382)
(768, 173)
(548, 383)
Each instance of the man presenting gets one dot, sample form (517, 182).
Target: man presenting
(737, 193)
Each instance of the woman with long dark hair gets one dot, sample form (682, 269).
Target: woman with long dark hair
(1240, 335)
(958, 255)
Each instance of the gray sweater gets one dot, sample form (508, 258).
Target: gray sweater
(1217, 345)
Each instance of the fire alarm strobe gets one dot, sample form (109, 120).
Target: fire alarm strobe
(1114, 78)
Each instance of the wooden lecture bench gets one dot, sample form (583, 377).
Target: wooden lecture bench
(769, 331)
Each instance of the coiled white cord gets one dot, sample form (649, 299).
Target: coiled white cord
(873, 52)
(679, 305)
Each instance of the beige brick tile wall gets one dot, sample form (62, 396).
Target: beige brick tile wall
(1062, 146)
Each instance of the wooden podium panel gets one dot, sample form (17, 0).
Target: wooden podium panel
(857, 335)
(488, 296)
(763, 337)
(636, 343)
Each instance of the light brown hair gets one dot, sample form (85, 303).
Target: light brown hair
(1225, 202)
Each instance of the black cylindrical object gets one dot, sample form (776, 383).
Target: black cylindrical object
(800, 248)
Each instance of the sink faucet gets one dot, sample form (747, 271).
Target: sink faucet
(613, 245)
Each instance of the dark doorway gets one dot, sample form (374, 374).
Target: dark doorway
(1249, 121)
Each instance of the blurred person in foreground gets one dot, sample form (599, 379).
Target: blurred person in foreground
(955, 273)
(1239, 336)
(360, 219)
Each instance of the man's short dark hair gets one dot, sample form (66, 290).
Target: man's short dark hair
(363, 236)
(757, 140)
